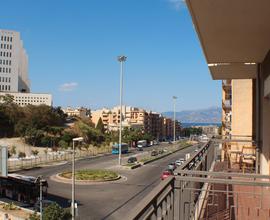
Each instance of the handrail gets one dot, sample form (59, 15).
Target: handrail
(149, 200)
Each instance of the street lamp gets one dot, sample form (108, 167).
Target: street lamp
(78, 139)
(121, 59)
(40, 181)
(174, 118)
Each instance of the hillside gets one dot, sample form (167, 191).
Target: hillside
(210, 115)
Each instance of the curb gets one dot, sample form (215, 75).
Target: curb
(133, 167)
(58, 178)
(59, 163)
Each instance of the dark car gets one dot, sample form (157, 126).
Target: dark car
(132, 160)
(172, 166)
(154, 153)
(166, 173)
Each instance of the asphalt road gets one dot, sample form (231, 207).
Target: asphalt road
(107, 200)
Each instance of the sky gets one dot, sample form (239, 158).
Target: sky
(72, 46)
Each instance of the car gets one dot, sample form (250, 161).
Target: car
(179, 162)
(139, 149)
(172, 166)
(45, 203)
(166, 173)
(154, 153)
(132, 160)
(195, 150)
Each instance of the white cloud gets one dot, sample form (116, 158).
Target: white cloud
(177, 4)
(66, 87)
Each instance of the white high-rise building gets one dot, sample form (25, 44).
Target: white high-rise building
(13, 63)
(14, 79)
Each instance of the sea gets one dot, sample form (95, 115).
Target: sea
(186, 125)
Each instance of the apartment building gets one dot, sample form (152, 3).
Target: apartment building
(78, 112)
(106, 115)
(132, 117)
(226, 107)
(237, 116)
(235, 51)
(14, 78)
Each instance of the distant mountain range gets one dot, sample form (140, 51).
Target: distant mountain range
(209, 115)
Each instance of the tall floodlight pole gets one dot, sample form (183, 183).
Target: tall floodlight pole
(79, 139)
(121, 59)
(174, 119)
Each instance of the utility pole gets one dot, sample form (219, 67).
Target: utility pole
(174, 119)
(121, 59)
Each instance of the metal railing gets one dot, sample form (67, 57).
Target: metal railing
(165, 200)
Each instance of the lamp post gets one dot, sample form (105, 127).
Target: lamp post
(121, 59)
(78, 139)
(174, 118)
(40, 181)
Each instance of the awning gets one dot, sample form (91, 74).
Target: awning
(234, 35)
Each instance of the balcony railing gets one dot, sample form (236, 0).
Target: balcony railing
(164, 201)
(226, 85)
(202, 189)
(227, 104)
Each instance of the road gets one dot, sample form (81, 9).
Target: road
(107, 200)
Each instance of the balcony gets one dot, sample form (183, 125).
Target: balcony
(226, 85)
(207, 188)
(227, 105)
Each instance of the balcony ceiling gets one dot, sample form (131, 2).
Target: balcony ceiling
(234, 32)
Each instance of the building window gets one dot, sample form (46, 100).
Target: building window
(10, 39)
(4, 46)
(9, 70)
(1, 46)
(5, 39)
(9, 54)
(10, 62)
(10, 47)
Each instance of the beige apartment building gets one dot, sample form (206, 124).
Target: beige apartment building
(150, 122)
(78, 112)
(238, 117)
(237, 47)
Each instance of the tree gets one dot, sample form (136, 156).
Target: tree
(35, 152)
(63, 145)
(34, 216)
(55, 212)
(7, 99)
(21, 154)
(13, 150)
(100, 126)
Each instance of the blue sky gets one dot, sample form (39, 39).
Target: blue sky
(73, 44)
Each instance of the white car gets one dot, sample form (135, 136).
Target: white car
(179, 162)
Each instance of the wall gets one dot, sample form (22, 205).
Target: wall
(265, 119)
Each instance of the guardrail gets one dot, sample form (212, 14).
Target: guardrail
(165, 201)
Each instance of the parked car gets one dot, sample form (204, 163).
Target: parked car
(172, 166)
(179, 162)
(154, 153)
(132, 160)
(166, 173)
(139, 149)
(195, 150)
